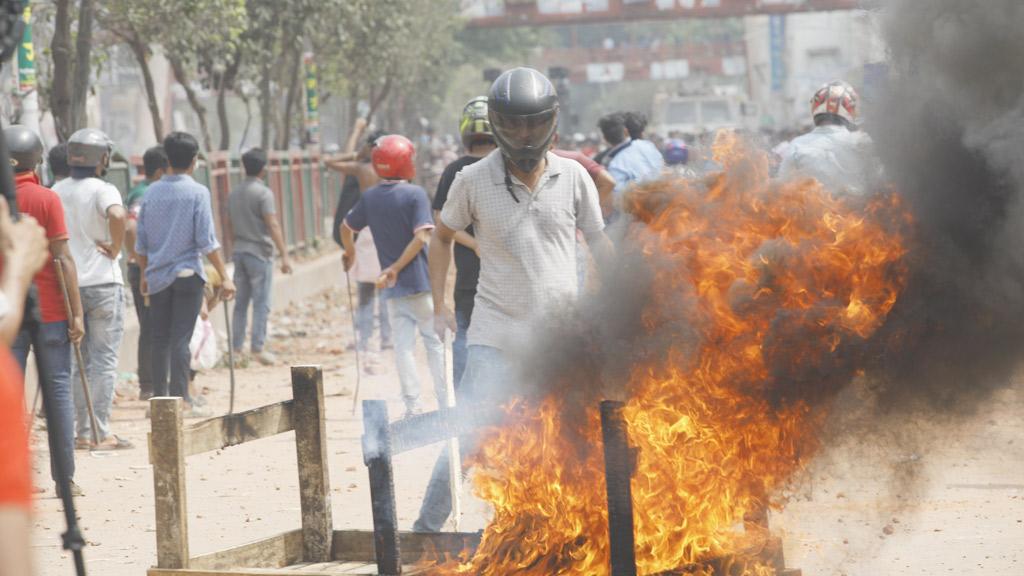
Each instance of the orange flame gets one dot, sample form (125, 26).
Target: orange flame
(780, 274)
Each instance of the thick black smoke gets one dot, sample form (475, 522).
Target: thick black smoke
(949, 130)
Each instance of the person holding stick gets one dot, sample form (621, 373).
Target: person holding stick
(51, 338)
(96, 220)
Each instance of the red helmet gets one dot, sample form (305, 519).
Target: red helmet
(392, 158)
(838, 99)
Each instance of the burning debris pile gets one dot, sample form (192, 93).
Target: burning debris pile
(740, 306)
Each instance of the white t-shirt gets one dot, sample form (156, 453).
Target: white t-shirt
(85, 211)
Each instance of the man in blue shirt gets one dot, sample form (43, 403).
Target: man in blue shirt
(398, 214)
(175, 230)
(628, 160)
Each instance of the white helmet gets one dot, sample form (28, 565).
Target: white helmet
(837, 98)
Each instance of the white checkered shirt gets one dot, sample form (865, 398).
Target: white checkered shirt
(527, 249)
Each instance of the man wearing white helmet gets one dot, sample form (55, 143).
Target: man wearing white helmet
(96, 220)
(834, 152)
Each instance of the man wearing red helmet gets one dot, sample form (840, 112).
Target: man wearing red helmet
(834, 152)
(398, 214)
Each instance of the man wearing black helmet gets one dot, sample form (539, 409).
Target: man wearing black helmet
(525, 205)
(51, 338)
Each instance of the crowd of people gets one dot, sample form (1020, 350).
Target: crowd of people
(519, 215)
(65, 250)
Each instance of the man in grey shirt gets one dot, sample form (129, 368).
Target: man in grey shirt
(256, 231)
(525, 205)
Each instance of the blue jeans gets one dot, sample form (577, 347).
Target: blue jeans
(364, 315)
(172, 315)
(488, 375)
(464, 300)
(145, 353)
(53, 358)
(410, 314)
(253, 279)
(103, 307)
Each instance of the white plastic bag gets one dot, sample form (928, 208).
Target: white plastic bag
(203, 346)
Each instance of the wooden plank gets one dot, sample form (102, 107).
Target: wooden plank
(274, 552)
(347, 568)
(357, 545)
(377, 454)
(167, 453)
(437, 426)
(311, 451)
(234, 429)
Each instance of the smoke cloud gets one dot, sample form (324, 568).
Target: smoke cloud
(949, 129)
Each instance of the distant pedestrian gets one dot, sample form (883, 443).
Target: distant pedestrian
(253, 213)
(398, 214)
(154, 164)
(636, 127)
(96, 221)
(175, 231)
(360, 177)
(629, 160)
(57, 158)
(51, 337)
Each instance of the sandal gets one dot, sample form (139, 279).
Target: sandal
(83, 444)
(114, 442)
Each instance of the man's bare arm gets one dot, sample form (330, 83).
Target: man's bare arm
(117, 219)
(461, 237)
(62, 254)
(270, 219)
(347, 167)
(348, 244)
(420, 239)
(602, 249)
(605, 185)
(439, 255)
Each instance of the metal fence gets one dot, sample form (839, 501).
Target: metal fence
(306, 193)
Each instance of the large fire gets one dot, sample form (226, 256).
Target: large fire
(782, 278)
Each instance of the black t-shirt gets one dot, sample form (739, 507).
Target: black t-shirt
(467, 265)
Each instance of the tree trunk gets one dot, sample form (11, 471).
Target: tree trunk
(83, 67)
(60, 90)
(378, 98)
(193, 99)
(140, 50)
(266, 118)
(226, 79)
(290, 99)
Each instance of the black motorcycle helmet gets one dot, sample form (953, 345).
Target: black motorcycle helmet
(523, 110)
(24, 146)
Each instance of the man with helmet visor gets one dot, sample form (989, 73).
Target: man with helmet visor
(525, 205)
(96, 221)
(51, 338)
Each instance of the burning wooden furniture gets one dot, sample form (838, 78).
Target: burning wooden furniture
(383, 440)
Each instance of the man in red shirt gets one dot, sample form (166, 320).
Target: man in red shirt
(52, 335)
